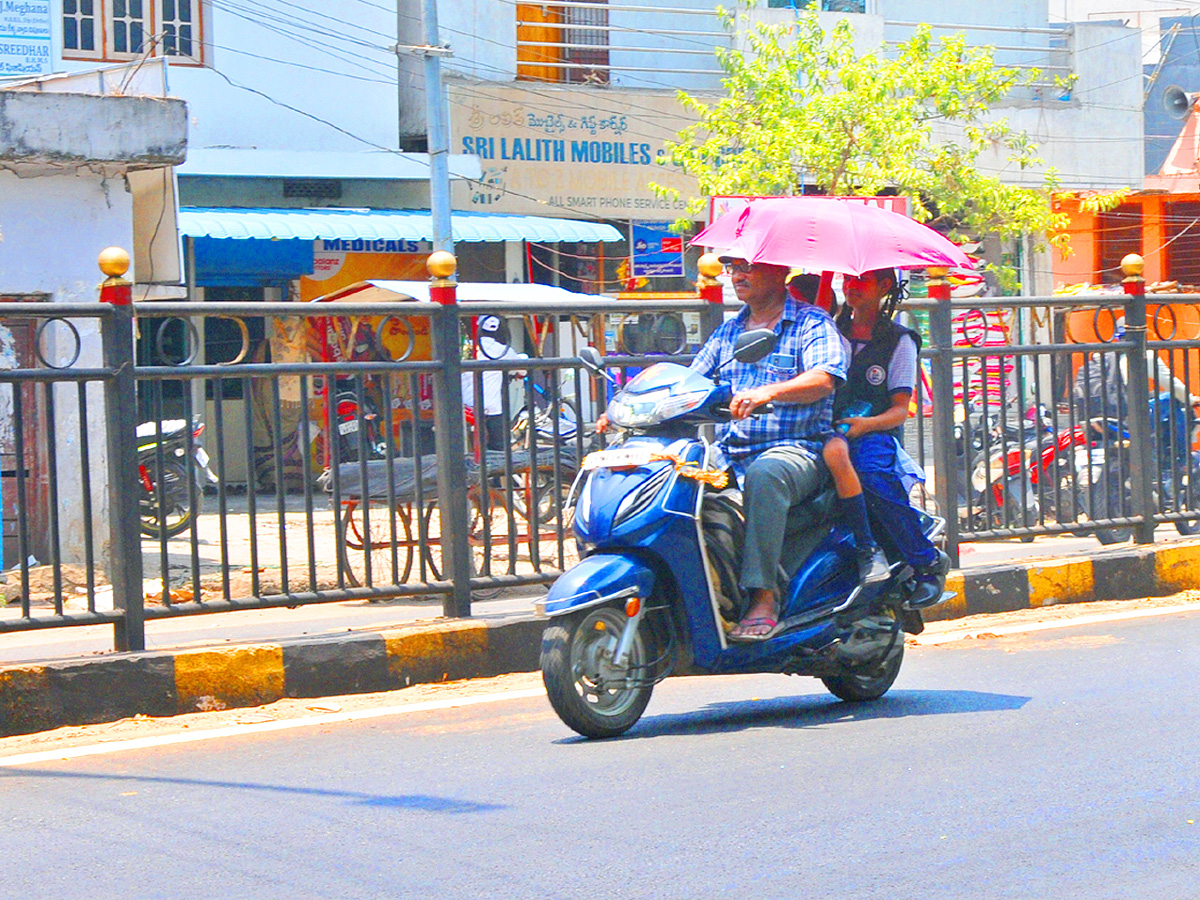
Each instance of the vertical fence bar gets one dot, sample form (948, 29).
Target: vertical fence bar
(19, 394)
(194, 488)
(450, 438)
(252, 487)
(85, 468)
(223, 482)
(285, 579)
(306, 477)
(55, 536)
(120, 396)
(711, 293)
(1141, 451)
(943, 406)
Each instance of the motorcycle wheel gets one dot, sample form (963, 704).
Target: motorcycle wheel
(1189, 527)
(587, 691)
(870, 683)
(177, 512)
(1096, 502)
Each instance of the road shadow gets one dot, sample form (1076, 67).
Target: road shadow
(812, 711)
(411, 802)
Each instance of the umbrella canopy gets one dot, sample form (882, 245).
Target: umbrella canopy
(824, 234)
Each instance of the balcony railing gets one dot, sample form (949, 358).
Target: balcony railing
(650, 46)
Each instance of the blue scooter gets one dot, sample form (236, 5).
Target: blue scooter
(655, 592)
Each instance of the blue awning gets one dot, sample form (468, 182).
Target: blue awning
(382, 225)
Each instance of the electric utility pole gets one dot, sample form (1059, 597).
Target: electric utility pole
(438, 130)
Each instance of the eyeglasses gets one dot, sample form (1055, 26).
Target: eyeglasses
(742, 268)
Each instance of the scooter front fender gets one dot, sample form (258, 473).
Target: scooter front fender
(597, 580)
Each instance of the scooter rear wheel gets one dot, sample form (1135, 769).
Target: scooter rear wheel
(174, 514)
(589, 693)
(869, 684)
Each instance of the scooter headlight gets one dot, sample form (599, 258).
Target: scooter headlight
(638, 410)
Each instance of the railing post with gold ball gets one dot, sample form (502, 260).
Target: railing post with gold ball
(450, 433)
(942, 371)
(1141, 451)
(120, 406)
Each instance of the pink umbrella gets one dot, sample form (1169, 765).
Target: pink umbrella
(824, 234)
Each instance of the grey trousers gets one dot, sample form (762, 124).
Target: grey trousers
(774, 482)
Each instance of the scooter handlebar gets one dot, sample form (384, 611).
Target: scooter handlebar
(765, 410)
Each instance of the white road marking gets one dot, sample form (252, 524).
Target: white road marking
(24, 759)
(947, 637)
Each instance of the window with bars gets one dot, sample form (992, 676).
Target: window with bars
(587, 44)
(1183, 242)
(128, 25)
(179, 28)
(563, 43)
(81, 29)
(126, 29)
(1119, 233)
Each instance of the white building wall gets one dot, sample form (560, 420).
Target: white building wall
(482, 34)
(274, 82)
(1094, 139)
(1143, 15)
(79, 214)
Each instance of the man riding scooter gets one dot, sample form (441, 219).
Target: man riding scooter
(775, 455)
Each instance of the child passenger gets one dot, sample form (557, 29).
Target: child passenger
(872, 563)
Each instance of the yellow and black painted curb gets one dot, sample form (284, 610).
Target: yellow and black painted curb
(104, 689)
(1125, 574)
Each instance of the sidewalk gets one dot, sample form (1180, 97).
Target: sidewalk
(70, 676)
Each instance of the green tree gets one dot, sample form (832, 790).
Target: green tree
(803, 109)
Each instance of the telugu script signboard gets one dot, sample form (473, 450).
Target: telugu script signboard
(24, 37)
(571, 152)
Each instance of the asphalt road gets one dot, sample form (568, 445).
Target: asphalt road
(1054, 764)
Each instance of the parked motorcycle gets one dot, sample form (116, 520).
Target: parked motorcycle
(171, 485)
(1021, 471)
(1102, 468)
(651, 597)
(352, 426)
(1177, 486)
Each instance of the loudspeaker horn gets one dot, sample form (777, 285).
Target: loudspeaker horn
(1177, 102)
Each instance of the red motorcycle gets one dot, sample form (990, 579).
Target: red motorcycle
(1023, 474)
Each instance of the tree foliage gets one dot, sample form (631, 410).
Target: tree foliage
(804, 111)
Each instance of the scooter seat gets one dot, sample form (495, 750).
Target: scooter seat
(814, 511)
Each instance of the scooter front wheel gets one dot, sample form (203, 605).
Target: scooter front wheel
(590, 693)
(869, 684)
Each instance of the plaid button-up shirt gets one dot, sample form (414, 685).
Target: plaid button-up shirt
(808, 340)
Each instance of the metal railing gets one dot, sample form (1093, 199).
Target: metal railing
(1054, 423)
(340, 479)
(332, 479)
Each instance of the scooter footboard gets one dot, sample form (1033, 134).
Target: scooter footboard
(599, 579)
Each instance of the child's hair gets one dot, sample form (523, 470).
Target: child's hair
(805, 287)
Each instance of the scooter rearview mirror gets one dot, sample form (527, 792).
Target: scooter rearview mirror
(751, 346)
(592, 360)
